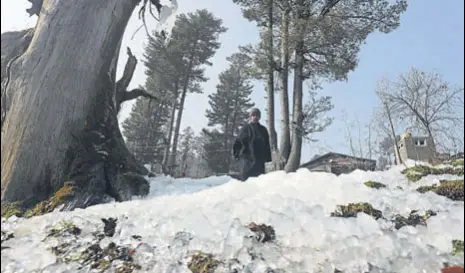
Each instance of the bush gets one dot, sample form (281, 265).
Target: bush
(352, 209)
(452, 189)
(203, 263)
(416, 173)
(374, 185)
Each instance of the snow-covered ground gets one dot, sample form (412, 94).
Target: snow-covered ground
(182, 216)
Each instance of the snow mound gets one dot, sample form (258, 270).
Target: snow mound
(166, 185)
(182, 216)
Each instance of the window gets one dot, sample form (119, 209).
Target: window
(420, 142)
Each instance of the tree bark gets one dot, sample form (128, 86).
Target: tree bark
(14, 44)
(431, 136)
(122, 94)
(296, 149)
(230, 131)
(178, 125)
(185, 86)
(35, 8)
(285, 139)
(270, 80)
(62, 125)
(166, 156)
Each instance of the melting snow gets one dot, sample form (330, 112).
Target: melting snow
(181, 216)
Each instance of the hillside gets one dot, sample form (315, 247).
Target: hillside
(215, 225)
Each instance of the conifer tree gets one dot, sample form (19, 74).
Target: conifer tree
(228, 111)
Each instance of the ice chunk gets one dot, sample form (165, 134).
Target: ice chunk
(182, 216)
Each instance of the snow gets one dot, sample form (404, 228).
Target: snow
(165, 185)
(181, 216)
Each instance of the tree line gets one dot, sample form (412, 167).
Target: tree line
(301, 41)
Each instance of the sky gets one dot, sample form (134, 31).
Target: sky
(430, 38)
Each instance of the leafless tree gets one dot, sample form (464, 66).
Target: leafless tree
(386, 117)
(361, 138)
(427, 102)
(355, 142)
(383, 125)
(369, 140)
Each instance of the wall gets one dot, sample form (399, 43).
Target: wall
(409, 150)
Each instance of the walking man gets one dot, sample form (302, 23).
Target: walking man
(252, 147)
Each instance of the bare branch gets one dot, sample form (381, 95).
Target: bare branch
(151, 11)
(426, 100)
(137, 30)
(35, 8)
(349, 136)
(122, 94)
(328, 6)
(142, 13)
(135, 93)
(128, 73)
(359, 127)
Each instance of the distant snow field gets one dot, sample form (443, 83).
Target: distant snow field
(180, 217)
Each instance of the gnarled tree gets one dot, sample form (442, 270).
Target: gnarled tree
(61, 120)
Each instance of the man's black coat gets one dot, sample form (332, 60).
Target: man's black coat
(252, 149)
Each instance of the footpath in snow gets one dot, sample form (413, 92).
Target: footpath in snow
(214, 225)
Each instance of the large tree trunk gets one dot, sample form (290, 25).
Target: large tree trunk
(285, 139)
(62, 123)
(270, 80)
(14, 44)
(297, 118)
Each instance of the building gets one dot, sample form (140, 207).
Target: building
(416, 148)
(339, 163)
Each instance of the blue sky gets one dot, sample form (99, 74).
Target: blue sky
(431, 38)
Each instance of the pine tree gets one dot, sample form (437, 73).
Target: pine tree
(228, 110)
(177, 68)
(144, 129)
(215, 152)
(164, 66)
(264, 14)
(198, 165)
(195, 38)
(324, 38)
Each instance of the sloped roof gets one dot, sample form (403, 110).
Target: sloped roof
(336, 154)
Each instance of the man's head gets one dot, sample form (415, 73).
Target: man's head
(255, 115)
